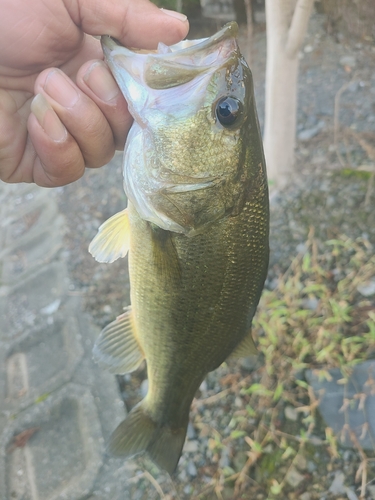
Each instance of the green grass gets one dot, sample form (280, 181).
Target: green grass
(314, 319)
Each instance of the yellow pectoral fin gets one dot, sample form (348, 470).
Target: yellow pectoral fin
(245, 348)
(112, 240)
(117, 348)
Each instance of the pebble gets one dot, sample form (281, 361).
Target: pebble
(224, 459)
(203, 387)
(311, 466)
(191, 434)
(305, 496)
(308, 133)
(371, 490)
(51, 308)
(291, 413)
(191, 469)
(311, 303)
(337, 487)
(301, 463)
(348, 61)
(238, 402)
(294, 478)
(350, 494)
(188, 489)
(191, 446)
(367, 289)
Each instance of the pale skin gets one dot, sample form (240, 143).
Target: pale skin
(60, 108)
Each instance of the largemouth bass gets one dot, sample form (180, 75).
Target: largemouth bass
(196, 229)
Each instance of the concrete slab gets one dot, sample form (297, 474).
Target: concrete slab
(48, 380)
(62, 458)
(40, 363)
(29, 220)
(35, 250)
(348, 407)
(21, 305)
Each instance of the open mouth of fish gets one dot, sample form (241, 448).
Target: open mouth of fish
(174, 65)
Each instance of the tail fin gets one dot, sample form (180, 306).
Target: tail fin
(139, 433)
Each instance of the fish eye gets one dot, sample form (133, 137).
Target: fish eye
(228, 109)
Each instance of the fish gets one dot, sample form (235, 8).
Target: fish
(195, 230)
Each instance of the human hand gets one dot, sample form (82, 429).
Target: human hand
(79, 116)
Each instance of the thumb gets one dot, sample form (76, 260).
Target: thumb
(135, 23)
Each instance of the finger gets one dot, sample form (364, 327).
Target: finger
(135, 23)
(90, 49)
(56, 157)
(13, 133)
(95, 80)
(80, 115)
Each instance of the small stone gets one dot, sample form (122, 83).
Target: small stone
(348, 61)
(291, 413)
(294, 478)
(353, 87)
(190, 431)
(51, 308)
(251, 363)
(301, 463)
(191, 469)
(305, 496)
(337, 487)
(308, 49)
(191, 446)
(188, 489)
(224, 459)
(308, 133)
(203, 387)
(182, 476)
(371, 490)
(311, 466)
(350, 494)
(311, 303)
(367, 289)
(238, 402)
(301, 248)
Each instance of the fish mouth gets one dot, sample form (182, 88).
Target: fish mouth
(175, 65)
(186, 47)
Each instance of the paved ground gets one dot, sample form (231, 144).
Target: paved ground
(57, 408)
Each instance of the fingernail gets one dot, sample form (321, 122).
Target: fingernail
(61, 89)
(177, 15)
(101, 82)
(48, 119)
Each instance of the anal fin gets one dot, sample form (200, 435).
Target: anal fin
(113, 238)
(117, 348)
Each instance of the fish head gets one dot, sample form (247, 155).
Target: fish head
(186, 161)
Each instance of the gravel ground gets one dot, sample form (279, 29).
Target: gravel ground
(332, 195)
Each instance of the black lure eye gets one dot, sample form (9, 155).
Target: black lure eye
(228, 110)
